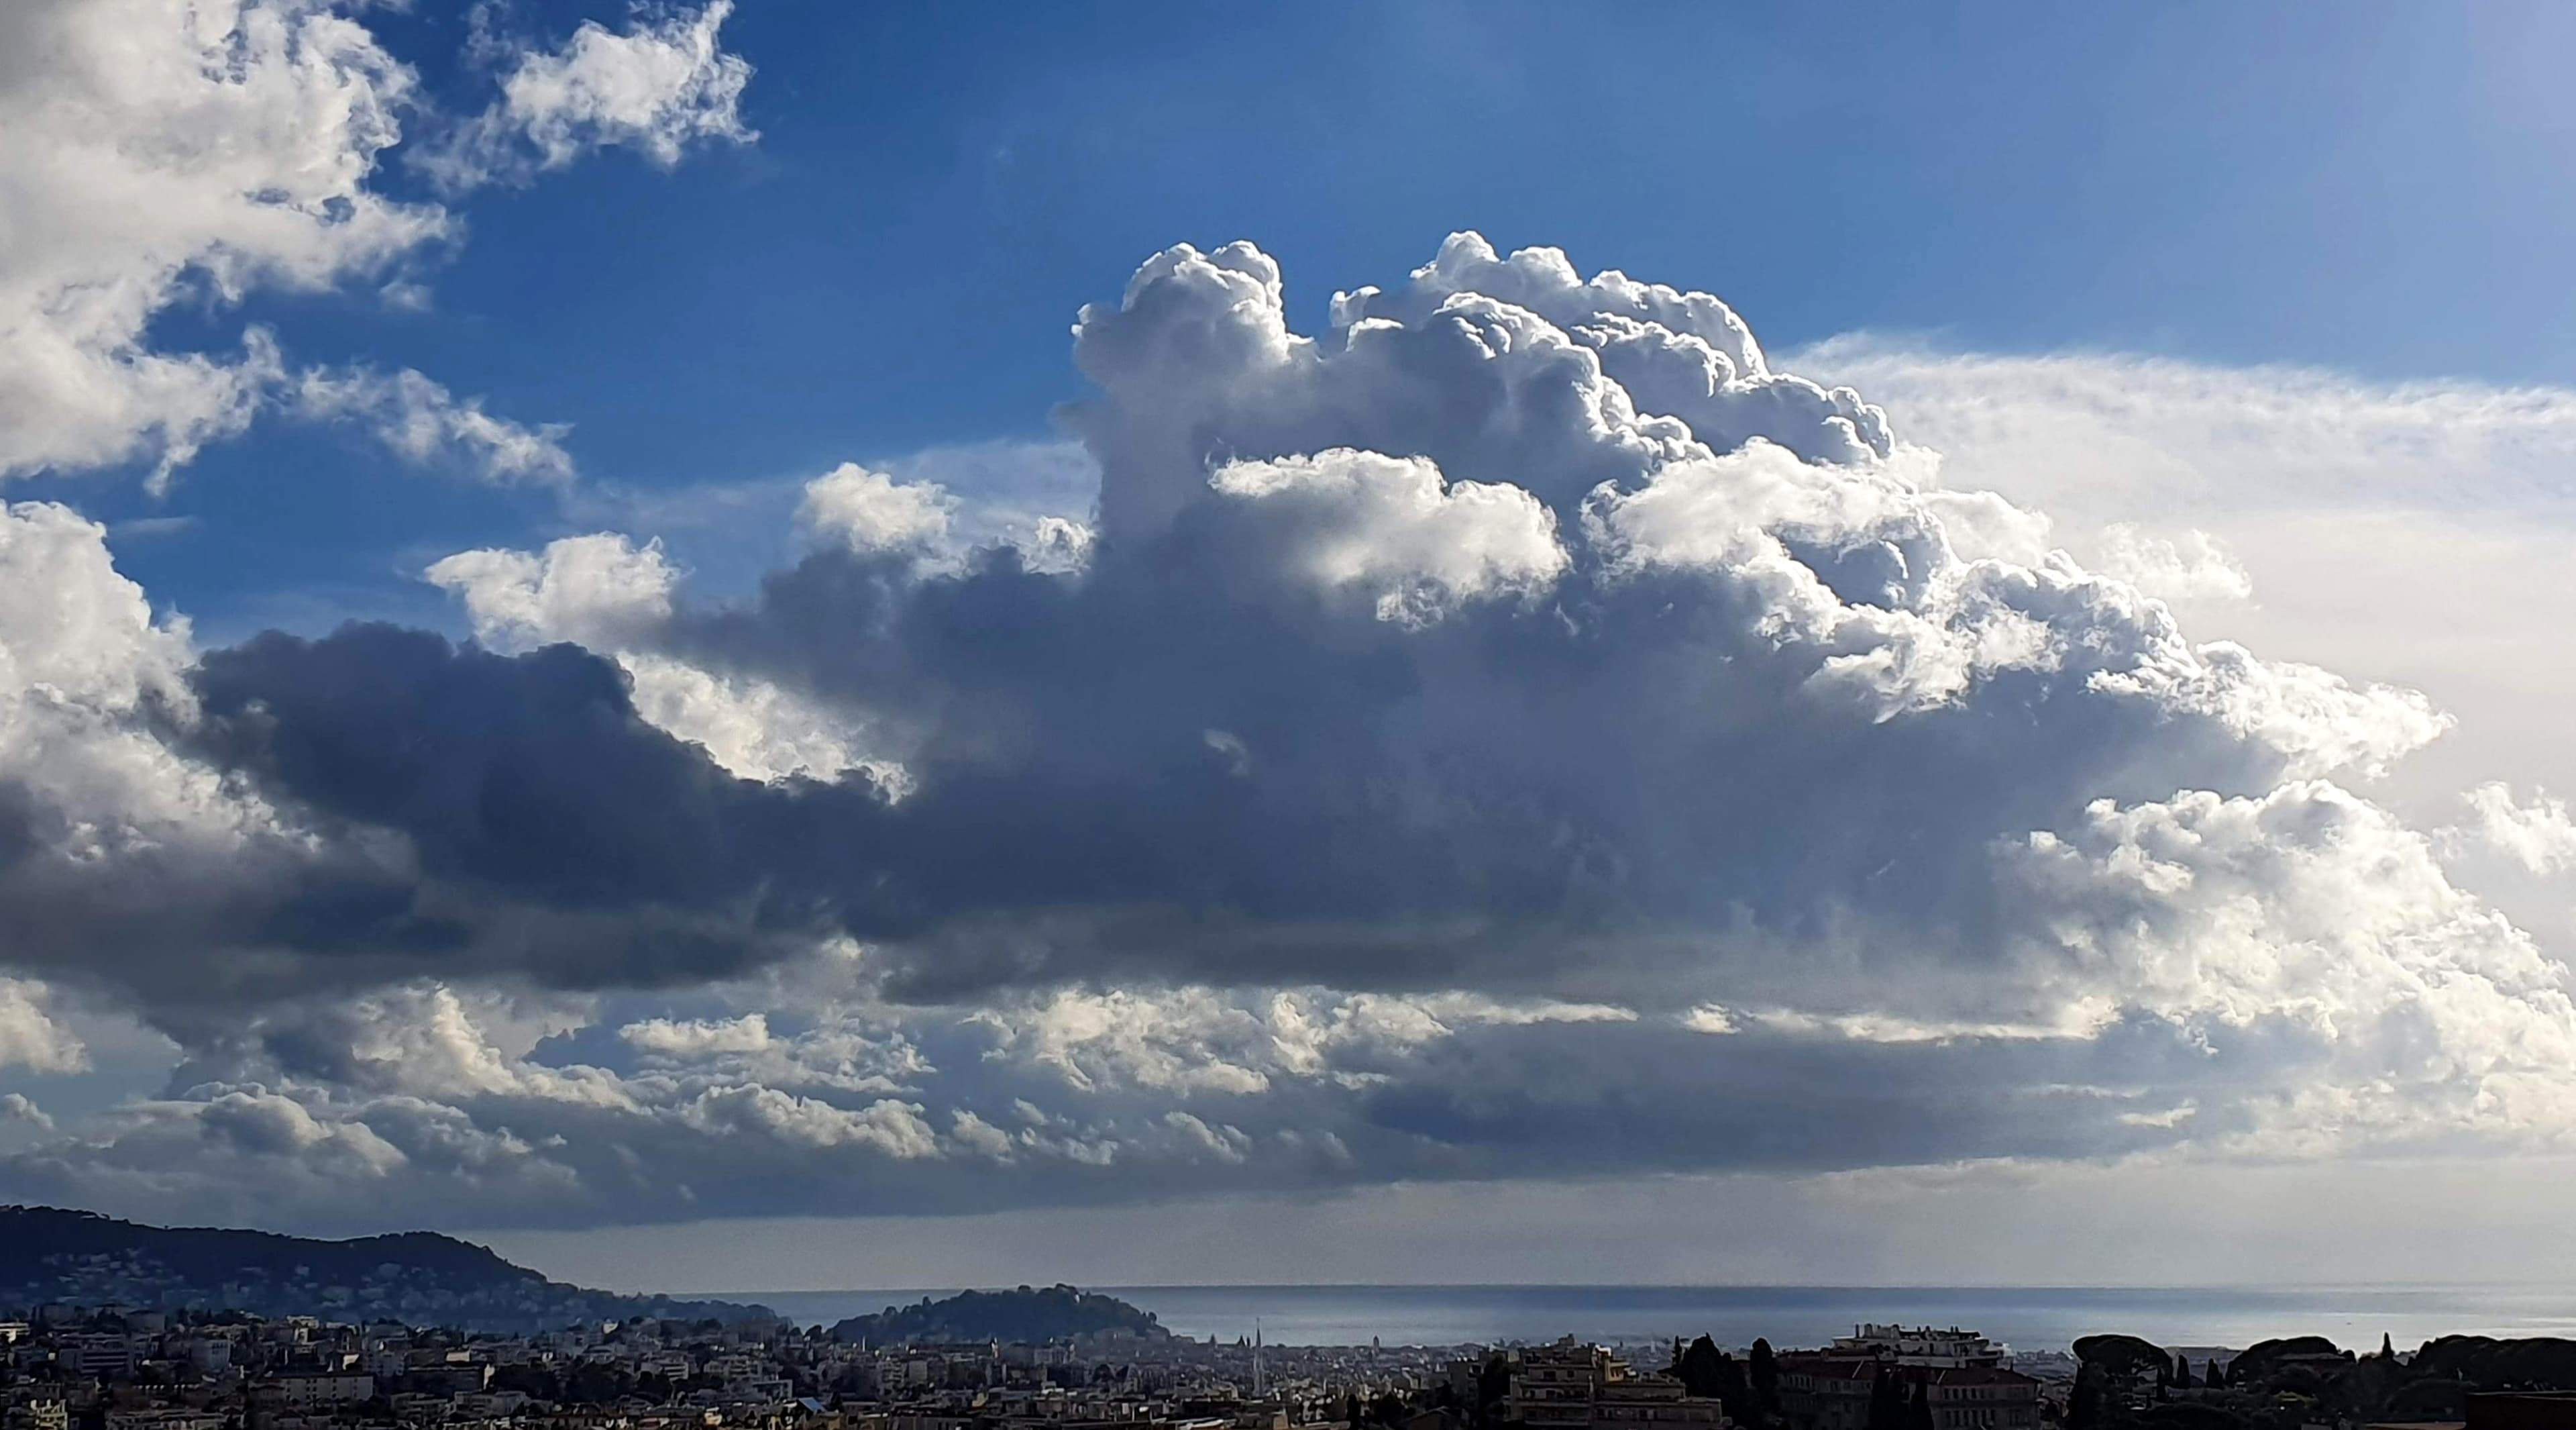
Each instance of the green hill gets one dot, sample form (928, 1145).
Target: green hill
(1022, 1315)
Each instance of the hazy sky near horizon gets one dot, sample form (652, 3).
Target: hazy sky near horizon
(799, 645)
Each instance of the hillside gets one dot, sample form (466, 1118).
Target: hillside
(48, 1254)
(1023, 1315)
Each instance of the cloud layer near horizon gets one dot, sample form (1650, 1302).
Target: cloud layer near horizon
(1515, 726)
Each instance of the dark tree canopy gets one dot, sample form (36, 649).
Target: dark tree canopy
(1887, 1407)
(2125, 1359)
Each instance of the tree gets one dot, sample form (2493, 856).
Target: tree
(1708, 1372)
(1701, 1368)
(2085, 1404)
(1886, 1402)
(1766, 1380)
(1493, 1384)
(2216, 1376)
(1734, 1389)
(2182, 1373)
(1918, 1414)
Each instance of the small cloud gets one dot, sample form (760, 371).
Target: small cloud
(872, 512)
(2540, 836)
(976, 1135)
(1238, 759)
(423, 422)
(695, 1039)
(149, 528)
(658, 88)
(30, 1036)
(1712, 1019)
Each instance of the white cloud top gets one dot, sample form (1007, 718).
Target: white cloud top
(162, 152)
(160, 147)
(606, 593)
(2539, 835)
(872, 512)
(1391, 529)
(599, 590)
(658, 88)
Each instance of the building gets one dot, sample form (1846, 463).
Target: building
(40, 1413)
(1551, 1387)
(96, 1353)
(1922, 1346)
(1652, 1402)
(1830, 1390)
(1824, 1390)
(166, 1417)
(447, 1379)
(1981, 1398)
(211, 1355)
(307, 1390)
(1573, 1386)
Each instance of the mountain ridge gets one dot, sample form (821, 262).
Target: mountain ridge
(54, 1255)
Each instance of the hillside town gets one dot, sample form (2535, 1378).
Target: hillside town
(110, 1368)
(66, 1367)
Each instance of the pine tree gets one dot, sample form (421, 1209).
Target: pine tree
(1493, 1388)
(1766, 1380)
(1702, 1368)
(1734, 1389)
(2084, 1403)
(1918, 1414)
(2182, 1373)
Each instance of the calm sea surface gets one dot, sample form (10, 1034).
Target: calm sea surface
(2028, 1318)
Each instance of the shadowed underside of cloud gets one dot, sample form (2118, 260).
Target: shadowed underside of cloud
(1515, 725)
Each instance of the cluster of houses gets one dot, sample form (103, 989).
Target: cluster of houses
(67, 1368)
(1963, 1376)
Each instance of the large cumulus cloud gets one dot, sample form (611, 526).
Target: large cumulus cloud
(1517, 722)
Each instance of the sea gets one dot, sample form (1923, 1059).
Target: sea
(2029, 1319)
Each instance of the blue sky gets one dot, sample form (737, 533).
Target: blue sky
(917, 692)
(935, 193)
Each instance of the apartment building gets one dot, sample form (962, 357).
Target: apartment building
(1573, 1386)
